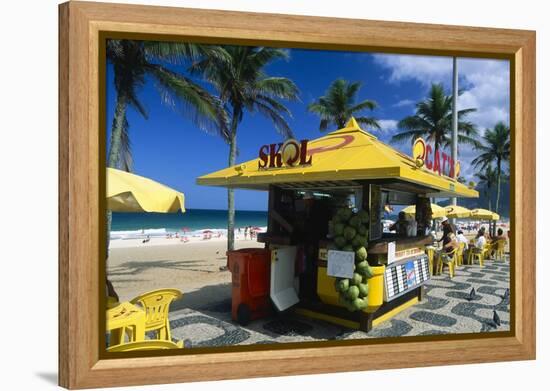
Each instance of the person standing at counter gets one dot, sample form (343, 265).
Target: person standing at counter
(448, 228)
(401, 225)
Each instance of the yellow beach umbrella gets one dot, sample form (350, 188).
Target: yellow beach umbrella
(484, 214)
(457, 212)
(437, 211)
(133, 193)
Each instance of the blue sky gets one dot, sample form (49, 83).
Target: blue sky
(170, 149)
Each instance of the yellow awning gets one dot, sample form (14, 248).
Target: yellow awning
(345, 155)
(133, 193)
(437, 211)
(484, 214)
(457, 212)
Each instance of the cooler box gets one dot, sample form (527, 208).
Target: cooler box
(250, 276)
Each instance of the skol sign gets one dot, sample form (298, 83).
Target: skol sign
(435, 160)
(291, 153)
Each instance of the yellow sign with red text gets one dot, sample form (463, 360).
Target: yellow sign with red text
(434, 159)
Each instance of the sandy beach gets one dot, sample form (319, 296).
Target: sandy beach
(193, 267)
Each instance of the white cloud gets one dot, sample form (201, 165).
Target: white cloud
(387, 125)
(486, 85)
(404, 102)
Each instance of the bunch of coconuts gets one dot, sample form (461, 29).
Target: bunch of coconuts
(350, 233)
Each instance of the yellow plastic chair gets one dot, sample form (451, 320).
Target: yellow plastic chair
(150, 344)
(451, 264)
(500, 249)
(476, 253)
(430, 253)
(156, 305)
(487, 250)
(460, 254)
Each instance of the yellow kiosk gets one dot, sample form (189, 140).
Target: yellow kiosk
(308, 181)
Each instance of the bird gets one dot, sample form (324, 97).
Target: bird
(472, 295)
(506, 293)
(496, 319)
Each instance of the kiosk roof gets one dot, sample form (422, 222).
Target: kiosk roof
(338, 159)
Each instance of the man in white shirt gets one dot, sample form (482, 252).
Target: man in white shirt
(462, 239)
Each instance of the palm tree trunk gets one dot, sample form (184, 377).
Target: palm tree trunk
(231, 192)
(114, 151)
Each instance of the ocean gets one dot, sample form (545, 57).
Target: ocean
(126, 225)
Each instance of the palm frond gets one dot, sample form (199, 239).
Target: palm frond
(278, 120)
(206, 111)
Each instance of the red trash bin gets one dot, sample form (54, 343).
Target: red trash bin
(250, 276)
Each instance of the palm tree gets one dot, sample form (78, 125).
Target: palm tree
(494, 149)
(133, 62)
(243, 86)
(487, 180)
(433, 121)
(338, 105)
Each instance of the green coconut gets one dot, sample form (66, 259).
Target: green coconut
(349, 233)
(338, 229)
(356, 279)
(363, 290)
(344, 213)
(363, 215)
(339, 241)
(353, 292)
(362, 230)
(342, 285)
(359, 304)
(361, 254)
(355, 221)
(347, 247)
(368, 272)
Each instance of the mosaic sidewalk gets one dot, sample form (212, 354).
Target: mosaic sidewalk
(448, 308)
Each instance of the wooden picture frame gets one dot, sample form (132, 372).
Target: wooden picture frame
(83, 25)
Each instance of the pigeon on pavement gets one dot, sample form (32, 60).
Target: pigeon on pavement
(496, 318)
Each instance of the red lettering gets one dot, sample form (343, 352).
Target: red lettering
(275, 159)
(437, 167)
(262, 155)
(428, 158)
(445, 159)
(452, 169)
(303, 153)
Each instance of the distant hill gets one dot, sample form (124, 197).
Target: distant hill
(483, 201)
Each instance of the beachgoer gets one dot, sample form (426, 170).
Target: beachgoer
(462, 239)
(447, 228)
(480, 241)
(245, 232)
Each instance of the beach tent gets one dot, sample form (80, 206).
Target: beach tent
(339, 159)
(484, 214)
(437, 211)
(457, 212)
(128, 192)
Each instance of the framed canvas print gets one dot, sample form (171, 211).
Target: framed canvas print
(246, 195)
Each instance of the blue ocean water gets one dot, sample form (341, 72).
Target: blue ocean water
(192, 219)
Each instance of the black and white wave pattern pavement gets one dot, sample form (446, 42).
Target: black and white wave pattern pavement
(448, 308)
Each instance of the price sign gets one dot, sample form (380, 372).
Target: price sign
(340, 263)
(391, 252)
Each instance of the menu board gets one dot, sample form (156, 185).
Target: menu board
(340, 263)
(376, 210)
